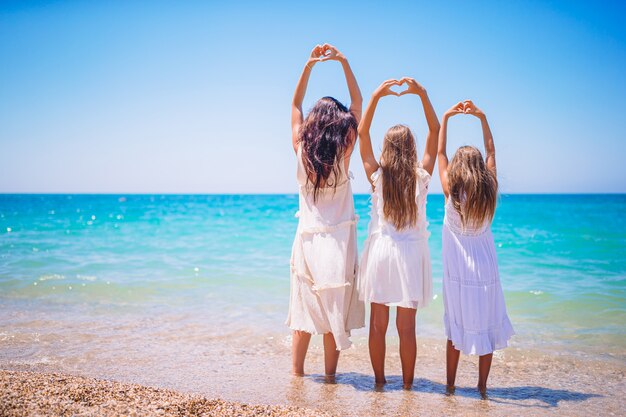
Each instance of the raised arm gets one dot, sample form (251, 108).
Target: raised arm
(298, 96)
(430, 151)
(322, 53)
(329, 52)
(442, 156)
(365, 144)
(490, 149)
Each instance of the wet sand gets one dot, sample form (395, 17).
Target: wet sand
(522, 381)
(226, 358)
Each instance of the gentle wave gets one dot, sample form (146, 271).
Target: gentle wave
(562, 262)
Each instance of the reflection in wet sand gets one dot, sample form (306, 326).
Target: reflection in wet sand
(194, 356)
(296, 393)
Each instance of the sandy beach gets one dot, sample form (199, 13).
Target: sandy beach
(522, 382)
(41, 394)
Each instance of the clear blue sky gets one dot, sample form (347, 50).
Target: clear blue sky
(195, 96)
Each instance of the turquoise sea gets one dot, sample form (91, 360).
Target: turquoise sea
(562, 257)
(140, 286)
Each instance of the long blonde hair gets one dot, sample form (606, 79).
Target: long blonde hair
(399, 166)
(473, 187)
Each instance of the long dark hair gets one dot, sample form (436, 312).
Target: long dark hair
(327, 132)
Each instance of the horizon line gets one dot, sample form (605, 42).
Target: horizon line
(275, 194)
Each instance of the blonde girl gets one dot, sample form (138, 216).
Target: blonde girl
(395, 268)
(475, 316)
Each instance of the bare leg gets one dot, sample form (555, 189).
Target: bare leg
(379, 319)
(484, 366)
(405, 322)
(331, 355)
(452, 363)
(299, 347)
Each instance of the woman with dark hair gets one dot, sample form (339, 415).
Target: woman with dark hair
(324, 255)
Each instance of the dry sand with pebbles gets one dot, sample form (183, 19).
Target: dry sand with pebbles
(38, 394)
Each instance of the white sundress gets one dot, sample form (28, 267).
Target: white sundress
(324, 261)
(475, 314)
(395, 267)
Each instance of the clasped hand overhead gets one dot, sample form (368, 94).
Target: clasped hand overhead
(413, 87)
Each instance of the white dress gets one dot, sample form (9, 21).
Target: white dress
(395, 267)
(324, 261)
(475, 314)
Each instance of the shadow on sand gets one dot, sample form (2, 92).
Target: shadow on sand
(546, 397)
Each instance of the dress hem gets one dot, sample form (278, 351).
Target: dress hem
(481, 342)
(402, 303)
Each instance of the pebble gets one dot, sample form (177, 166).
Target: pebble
(52, 394)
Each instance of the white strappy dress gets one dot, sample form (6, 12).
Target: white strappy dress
(324, 261)
(395, 266)
(475, 315)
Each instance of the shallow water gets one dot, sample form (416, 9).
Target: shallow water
(190, 292)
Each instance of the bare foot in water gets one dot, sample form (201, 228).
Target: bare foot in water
(330, 379)
(379, 385)
(483, 392)
(450, 390)
(407, 387)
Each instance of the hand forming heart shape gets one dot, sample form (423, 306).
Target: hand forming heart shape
(325, 52)
(398, 91)
(465, 107)
(413, 87)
